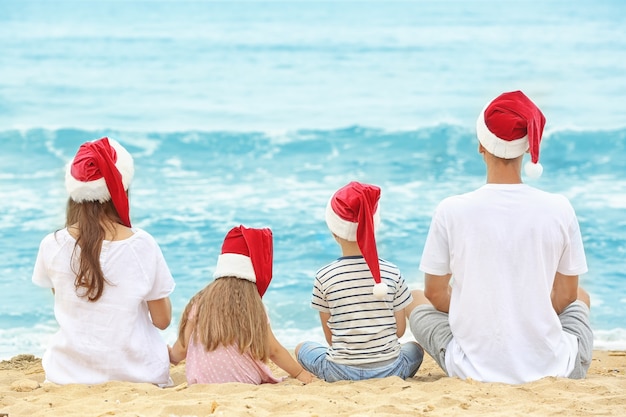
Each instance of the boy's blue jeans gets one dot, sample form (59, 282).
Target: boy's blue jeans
(312, 356)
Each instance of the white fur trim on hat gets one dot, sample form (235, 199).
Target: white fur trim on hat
(343, 228)
(97, 190)
(507, 149)
(234, 265)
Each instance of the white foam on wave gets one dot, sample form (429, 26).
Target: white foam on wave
(25, 340)
(613, 339)
(34, 340)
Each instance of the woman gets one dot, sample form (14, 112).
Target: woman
(110, 281)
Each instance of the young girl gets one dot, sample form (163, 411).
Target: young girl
(110, 282)
(224, 333)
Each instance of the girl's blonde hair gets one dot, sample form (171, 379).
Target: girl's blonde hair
(229, 311)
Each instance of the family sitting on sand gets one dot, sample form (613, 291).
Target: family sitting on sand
(501, 301)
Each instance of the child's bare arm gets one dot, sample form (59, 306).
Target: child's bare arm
(327, 333)
(178, 352)
(400, 323)
(282, 358)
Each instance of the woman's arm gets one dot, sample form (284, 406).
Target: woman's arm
(283, 359)
(160, 312)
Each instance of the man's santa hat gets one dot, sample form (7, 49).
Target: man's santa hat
(247, 254)
(352, 214)
(511, 125)
(102, 170)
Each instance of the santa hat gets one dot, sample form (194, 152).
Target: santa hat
(247, 254)
(511, 125)
(102, 170)
(352, 214)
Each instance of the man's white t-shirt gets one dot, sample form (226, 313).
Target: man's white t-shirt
(112, 338)
(503, 243)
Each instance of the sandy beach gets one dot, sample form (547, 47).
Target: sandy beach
(430, 393)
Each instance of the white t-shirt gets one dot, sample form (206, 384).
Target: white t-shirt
(503, 244)
(112, 338)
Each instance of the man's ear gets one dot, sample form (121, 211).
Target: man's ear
(481, 148)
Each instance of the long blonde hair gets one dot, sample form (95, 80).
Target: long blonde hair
(229, 311)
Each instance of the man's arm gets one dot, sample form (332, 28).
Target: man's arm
(564, 291)
(437, 290)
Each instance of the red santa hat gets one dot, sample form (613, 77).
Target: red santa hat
(511, 125)
(247, 254)
(352, 214)
(102, 170)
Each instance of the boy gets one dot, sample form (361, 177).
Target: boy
(360, 298)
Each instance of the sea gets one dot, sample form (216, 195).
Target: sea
(255, 112)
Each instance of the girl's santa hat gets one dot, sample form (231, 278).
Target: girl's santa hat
(511, 125)
(247, 254)
(352, 214)
(102, 170)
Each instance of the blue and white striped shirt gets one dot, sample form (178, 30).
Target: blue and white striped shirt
(363, 327)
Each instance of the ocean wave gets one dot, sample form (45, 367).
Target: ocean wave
(575, 144)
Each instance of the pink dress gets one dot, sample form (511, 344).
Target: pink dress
(225, 364)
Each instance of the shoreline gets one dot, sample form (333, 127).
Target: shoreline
(430, 392)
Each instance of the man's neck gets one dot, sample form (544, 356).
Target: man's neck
(503, 177)
(500, 171)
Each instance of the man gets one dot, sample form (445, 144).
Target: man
(501, 301)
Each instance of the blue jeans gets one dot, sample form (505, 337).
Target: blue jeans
(312, 356)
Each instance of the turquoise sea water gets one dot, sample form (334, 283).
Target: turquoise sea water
(255, 112)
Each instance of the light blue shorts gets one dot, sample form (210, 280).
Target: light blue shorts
(431, 329)
(312, 356)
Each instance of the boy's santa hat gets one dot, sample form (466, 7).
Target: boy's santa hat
(247, 254)
(352, 214)
(102, 170)
(511, 125)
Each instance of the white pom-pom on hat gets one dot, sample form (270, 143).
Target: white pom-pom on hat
(533, 170)
(379, 290)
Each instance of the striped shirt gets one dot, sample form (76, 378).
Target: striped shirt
(363, 327)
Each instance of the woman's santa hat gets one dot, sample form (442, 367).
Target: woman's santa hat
(247, 254)
(511, 125)
(102, 170)
(352, 214)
